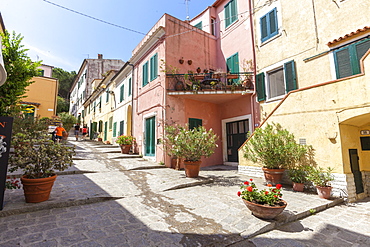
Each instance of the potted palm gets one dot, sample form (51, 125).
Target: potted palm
(276, 149)
(321, 178)
(125, 142)
(190, 145)
(38, 157)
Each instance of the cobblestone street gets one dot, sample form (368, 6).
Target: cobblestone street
(110, 199)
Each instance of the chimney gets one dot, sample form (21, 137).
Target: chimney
(100, 56)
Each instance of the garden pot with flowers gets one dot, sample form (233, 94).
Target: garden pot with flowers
(189, 145)
(321, 178)
(38, 157)
(276, 149)
(265, 203)
(125, 143)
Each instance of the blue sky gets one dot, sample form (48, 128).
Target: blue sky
(61, 38)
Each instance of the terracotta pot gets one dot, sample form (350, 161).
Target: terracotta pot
(273, 176)
(37, 189)
(192, 168)
(265, 212)
(298, 187)
(125, 149)
(324, 192)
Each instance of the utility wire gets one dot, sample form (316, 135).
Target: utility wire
(94, 18)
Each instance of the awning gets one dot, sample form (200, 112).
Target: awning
(30, 103)
(350, 35)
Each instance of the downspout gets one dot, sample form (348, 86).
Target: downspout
(254, 112)
(132, 96)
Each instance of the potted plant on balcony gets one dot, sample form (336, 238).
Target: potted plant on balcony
(125, 142)
(276, 149)
(189, 145)
(321, 178)
(38, 157)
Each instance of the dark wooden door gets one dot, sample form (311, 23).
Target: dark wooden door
(355, 168)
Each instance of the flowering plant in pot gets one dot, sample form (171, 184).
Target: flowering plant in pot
(125, 143)
(275, 148)
(190, 145)
(321, 178)
(265, 203)
(38, 157)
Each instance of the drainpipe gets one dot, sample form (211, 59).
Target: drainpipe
(132, 96)
(254, 65)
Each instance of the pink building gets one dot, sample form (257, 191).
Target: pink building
(197, 72)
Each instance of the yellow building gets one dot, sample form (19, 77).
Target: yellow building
(313, 73)
(41, 96)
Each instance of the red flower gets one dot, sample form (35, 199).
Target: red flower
(250, 188)
(278, 186)
(275, 196)
(239, 193)
(266, 192)
(246, 182)
(251, 179)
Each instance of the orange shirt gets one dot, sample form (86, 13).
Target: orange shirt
(59, 130)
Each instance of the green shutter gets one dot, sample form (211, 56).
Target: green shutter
(121, 125)
(260, 87)
(273, 22)
(114, 129)
(234, 11)
(105, 130)
(290, 76)
(194, 123)
(199, 25)
(269, 25)
(264, 33)
(150, 136)
(145, 74)
(227, 15)
(129, 86)
(232, 64)
(107, 97)
(343, 63)
(122, 93)
(360, 49)
(153, 67)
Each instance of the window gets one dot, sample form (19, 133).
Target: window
(279, 81)
(145, 74)
(231, 13)
(232, 64)
(110, 123)
(213, 26)
(41, 72)
(122, 93)
(199, 25)
(107, 96)
(347, 59)
(194, 123)
(129, 86)
(269, 25)
(115, 129)
(153, 67)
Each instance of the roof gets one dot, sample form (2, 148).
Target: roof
(350, 35)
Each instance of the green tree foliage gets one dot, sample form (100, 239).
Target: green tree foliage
(62, 105)
(20, 70)
(65, 81)
(67, 119)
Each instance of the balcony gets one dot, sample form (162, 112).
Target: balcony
(210, 87)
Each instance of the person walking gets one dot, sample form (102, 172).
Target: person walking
(77, 130)
(59, 132)
(84, 132)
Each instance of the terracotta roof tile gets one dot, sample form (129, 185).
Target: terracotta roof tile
(358, 31)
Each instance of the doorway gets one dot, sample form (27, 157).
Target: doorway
(355, 168)
(150, 136)
(236, 134)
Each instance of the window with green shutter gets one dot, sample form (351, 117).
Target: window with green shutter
(290, 76)
(347, 59)
(232, 64)
(122, 93)
(110, 125)
(269, 25)
(194, 123)
(153, 67)
(145, 74)
(199, 25)
(114, 129)
(231, 13)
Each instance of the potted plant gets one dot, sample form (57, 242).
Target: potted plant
(298, 176)
(125, 142)
(321, 178)
(190, 145)
(265, 204)
(276, 149)
(38, 157)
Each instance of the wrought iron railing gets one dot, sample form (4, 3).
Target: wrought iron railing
(210, 81)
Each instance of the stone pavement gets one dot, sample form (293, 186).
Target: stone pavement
(111, 199)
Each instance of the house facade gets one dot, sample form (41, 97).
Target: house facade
(312, 81)
(191, 72)
(82, 87)
(41, 96)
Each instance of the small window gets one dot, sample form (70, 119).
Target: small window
(365, 143)
(153, 67)
(122, 93)
(213, 26)
(194, 123)
(269, 25)
(276, 83)
(145, 74)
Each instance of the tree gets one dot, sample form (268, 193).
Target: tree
(62, 105)
(20, 70)
(65, 81)
(67, 119)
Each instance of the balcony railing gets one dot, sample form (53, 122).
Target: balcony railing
(210, 81)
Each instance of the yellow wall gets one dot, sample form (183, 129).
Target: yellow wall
(43, 91)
